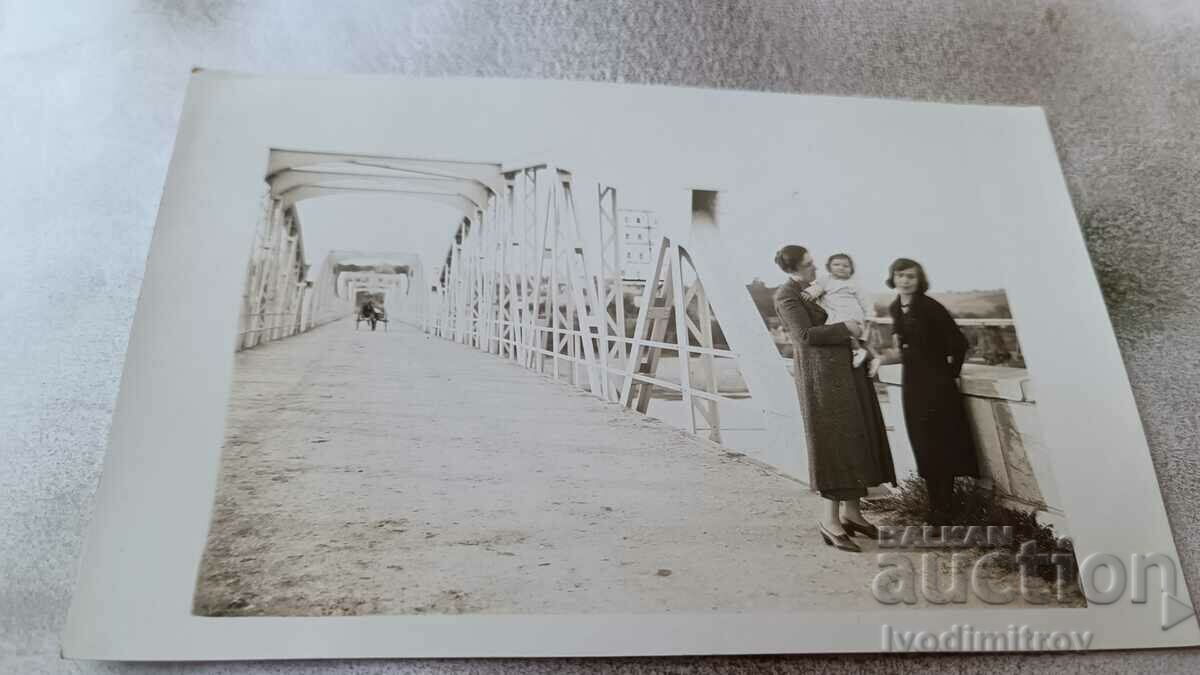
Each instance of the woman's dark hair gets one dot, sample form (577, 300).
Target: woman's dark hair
(901, 264)
(839, 256)
(790, 257)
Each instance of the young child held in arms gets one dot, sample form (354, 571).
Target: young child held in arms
(841, 298)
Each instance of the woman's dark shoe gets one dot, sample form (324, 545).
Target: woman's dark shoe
(840, 541)
(868, 530)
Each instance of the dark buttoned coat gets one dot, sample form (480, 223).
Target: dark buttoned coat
(932, 349)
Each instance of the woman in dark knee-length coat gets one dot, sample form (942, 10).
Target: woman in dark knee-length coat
(932, 350)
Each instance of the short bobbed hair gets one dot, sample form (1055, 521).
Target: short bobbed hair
(790, 257)
(839, 256)
(902, 264)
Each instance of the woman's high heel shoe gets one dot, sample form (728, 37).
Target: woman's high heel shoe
(839, 541)
(852, 528)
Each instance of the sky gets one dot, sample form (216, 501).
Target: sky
(955, 259)
(753, 226)
(875, 179)
(376, 223)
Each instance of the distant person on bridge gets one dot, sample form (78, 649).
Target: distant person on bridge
(848, 449)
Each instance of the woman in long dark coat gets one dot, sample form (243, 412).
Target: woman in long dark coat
(847, 444)
(932, 349)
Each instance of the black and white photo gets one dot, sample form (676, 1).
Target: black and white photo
(514, 362)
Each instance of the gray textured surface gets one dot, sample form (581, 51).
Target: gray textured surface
(90, 95)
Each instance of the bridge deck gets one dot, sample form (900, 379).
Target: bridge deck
(371, 472)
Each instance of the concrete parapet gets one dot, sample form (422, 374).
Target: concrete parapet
(1003, 415)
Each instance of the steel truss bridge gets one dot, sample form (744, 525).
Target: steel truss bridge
(532, 274)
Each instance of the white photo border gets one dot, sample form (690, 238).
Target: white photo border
(153, 506)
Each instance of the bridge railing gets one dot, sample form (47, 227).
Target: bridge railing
(999, 401)
(518, 284)
(274, 291)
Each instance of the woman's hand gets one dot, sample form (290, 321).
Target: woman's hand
(855, 327)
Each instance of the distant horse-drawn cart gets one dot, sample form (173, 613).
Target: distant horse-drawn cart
(373, 317)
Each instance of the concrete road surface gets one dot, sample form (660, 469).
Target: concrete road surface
(387, 472)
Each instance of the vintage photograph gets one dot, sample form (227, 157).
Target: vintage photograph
(468, 386)
(513, 368)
